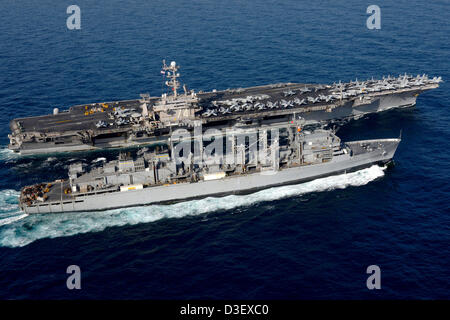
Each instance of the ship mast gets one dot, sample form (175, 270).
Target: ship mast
(172, 74)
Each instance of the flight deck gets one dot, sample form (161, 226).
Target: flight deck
(151, 119)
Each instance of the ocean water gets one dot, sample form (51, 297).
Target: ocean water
(308, 241)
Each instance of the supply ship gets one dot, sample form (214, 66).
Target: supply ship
(151, 120)
(253, 160)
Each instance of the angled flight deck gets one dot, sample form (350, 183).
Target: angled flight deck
(151, 120)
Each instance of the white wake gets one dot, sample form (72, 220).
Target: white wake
(9, 210)
(26, 229)
(7, 154)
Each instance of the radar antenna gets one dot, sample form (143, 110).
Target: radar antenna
(172, 74)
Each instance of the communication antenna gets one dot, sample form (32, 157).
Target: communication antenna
(172, 74)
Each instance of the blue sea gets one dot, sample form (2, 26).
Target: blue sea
(308, 241)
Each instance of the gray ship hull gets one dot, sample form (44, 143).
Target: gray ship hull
(72, 130)
(229, 185)
(348, 111)
(354, 110)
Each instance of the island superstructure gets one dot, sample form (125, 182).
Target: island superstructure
(151, 120)
(283, 156)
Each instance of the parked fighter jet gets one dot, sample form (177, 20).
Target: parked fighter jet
(260, 106)
(283, 103)
(209, 113)
(305, 90)
(288, 104)
(319, 87)
(101, 124)
(404, 83)
(329, 98)
(437, 79)
(303, 101)
(235, 107)
(122, 121)
(299, 102)
(270, 105)
(289, 93)
(313, 100)
(248, 106)
(122, 112)
(224, 110)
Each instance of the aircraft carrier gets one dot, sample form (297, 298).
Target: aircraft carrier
(151, 120)
(282, 156)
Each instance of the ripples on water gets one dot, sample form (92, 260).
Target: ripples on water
(312, 240)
